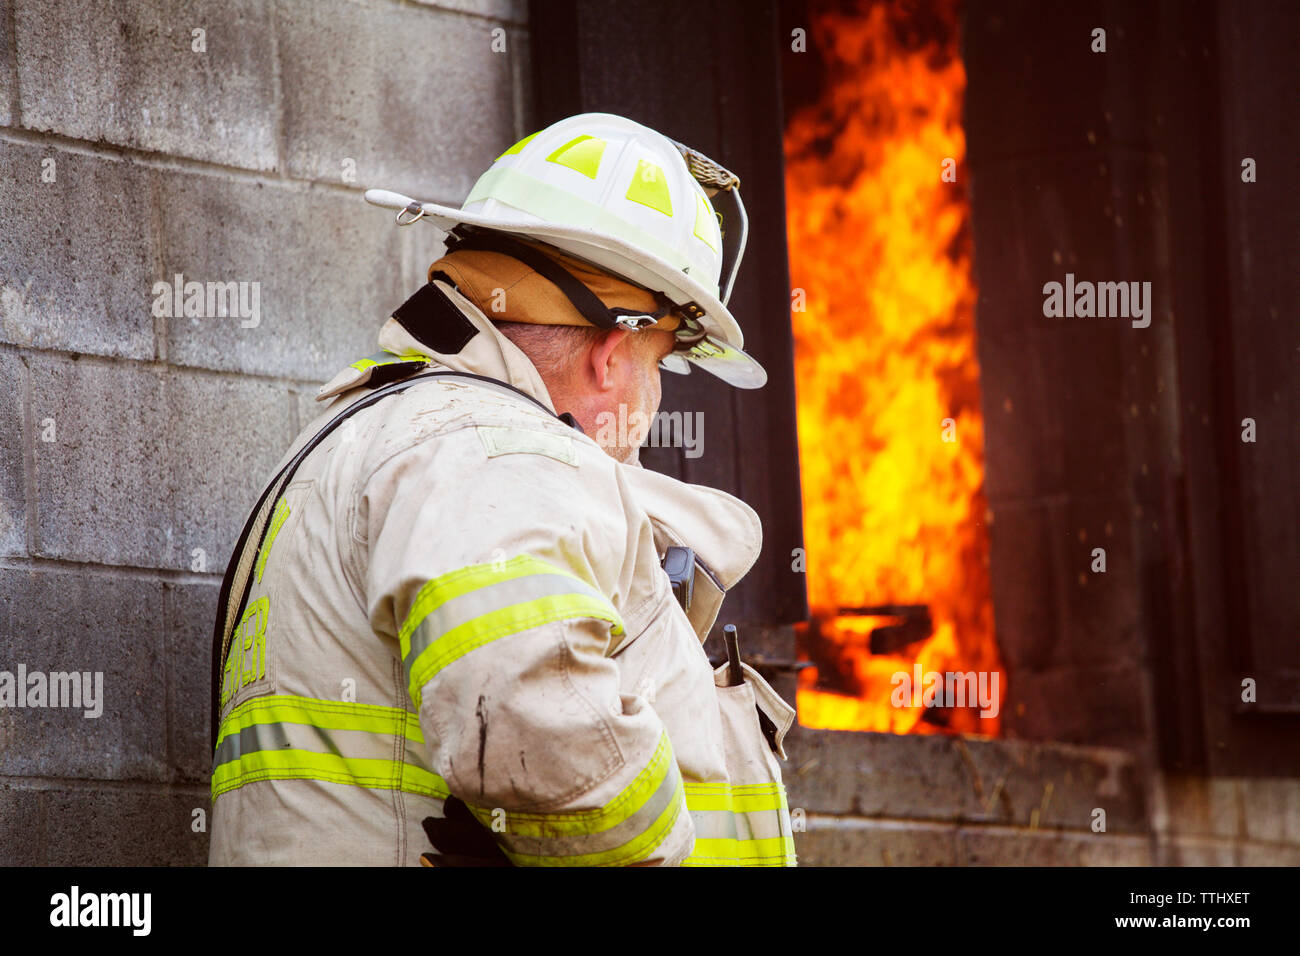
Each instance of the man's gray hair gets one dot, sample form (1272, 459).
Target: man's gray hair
(551, 348)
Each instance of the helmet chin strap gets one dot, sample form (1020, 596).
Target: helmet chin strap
(584, 300)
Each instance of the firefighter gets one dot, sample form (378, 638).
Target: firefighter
(448, 631)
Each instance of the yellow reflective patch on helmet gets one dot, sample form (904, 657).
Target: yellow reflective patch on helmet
(705, 224)
(519, 146)
(581, 154)
(650, 188)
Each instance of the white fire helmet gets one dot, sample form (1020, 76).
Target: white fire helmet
(631, 201)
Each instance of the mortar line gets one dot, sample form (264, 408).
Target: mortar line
(41, 783)
(162, 575)
(168, 703)
(154, 364)
(15, 100)
(157, 225)
(277, 97)
(29, 456)
(867, 823)
(182, 164)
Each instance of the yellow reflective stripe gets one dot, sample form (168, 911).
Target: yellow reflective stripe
(649, 187)
(326, 714)
(461, 611)
(581, 154)
(624, 831)
(746, 798)
(587, 822)
(277, 521)
(376, 774)
(459, 641)
(773, 851)
(285, 737)
(388, 357)
(704, 221)
(519, 146)
(726, 817)
(631, 852)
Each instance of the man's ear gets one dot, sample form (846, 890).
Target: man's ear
(601, 358)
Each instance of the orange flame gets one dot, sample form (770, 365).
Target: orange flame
(884, 360)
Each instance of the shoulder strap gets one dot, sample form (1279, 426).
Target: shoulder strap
(238, 579)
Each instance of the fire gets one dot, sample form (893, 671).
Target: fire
(891, 435)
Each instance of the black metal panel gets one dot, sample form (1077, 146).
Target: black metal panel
(1126, 165)
(707, 74)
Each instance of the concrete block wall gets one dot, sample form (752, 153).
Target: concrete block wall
(866, 799)
(132, 149)
(861, 799)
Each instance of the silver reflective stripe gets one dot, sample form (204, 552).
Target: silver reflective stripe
(603, 840)
(493, 597)
(350, 744)
(752, 825)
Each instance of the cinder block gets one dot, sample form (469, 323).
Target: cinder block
(76, 253)
(944, 778)
(224, 438)
(1201, 853)
(63, 621)
(22, 841)
(877, 775)
(190, 612)
(150, 465)
(1005, 846)
(13, 494)
(128, 74)
(101, 485)
(1260, 854)
(1199, 806)
(415, 97)
(329, 270)
(1271, 810)
(1054, 786)
(127, 827)
(852, 841)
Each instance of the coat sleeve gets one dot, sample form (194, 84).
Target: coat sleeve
(498, 575)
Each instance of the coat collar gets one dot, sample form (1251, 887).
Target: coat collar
(487, 352)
